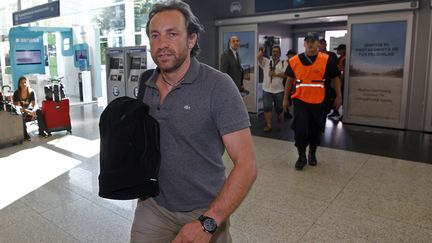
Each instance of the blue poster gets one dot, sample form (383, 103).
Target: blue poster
(247, 56)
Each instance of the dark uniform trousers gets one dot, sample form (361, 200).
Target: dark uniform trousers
(309, 123)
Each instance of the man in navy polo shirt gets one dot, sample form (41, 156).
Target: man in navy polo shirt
(200, 113)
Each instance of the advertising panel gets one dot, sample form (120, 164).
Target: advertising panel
(376, 70)
(247, 60)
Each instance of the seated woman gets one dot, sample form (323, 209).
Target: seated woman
(25, 98)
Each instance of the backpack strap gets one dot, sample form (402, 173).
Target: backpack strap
(143, 78)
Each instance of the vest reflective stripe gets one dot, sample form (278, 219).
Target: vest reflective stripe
(310, 85)
(310, 79)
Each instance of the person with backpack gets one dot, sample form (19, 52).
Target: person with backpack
(273, 88)
(201, 114)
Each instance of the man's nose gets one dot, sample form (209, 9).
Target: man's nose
(164, 41)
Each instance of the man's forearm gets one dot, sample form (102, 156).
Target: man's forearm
(235, 189)
(337, 87)
(238, 183)
(288, 87)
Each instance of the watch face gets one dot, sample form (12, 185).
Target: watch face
(209, 224)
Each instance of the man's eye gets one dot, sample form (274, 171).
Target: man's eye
(173, 34)
(153, 36)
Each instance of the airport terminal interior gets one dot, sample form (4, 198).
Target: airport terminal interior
(373, 179)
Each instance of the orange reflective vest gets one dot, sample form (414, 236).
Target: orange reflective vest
(309, 83)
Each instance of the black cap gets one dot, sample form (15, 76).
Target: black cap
(291, 52)
(341, 47)
(311, 36)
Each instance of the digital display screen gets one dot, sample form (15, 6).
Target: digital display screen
(115, 63)
(135, 63)
(80, 54)
(28, 57)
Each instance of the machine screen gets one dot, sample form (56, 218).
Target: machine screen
(115, 63)
(135, 63)
(28, 57)
(80, 54)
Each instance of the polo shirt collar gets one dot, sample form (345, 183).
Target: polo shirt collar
(190, 76)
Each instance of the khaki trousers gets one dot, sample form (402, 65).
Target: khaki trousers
(155, 224)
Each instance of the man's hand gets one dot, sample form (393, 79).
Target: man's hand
(192, 232)
(241, 89)
(286, 104)
(272, 73)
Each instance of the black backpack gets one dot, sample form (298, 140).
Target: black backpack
(129, 150)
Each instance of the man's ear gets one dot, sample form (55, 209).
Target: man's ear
(192, 39)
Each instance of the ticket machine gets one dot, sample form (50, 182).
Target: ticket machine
(115, 70)
(136, 64)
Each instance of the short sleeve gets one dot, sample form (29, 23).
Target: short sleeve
(332, 71)
(228, 109)
(289, 72)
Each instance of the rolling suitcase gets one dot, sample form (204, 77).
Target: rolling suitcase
(11, 128)
(56, 115)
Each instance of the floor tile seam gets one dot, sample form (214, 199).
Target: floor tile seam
(249, 234)
(104, 207)
(405, 202)
(65, 230)
(53, 208)
(52, 223)
(270, 161)
(340, 191)
(427, 228)
(342, 232)
(64, 152)
(361, 178)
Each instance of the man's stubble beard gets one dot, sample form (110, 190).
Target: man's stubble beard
(178, 61)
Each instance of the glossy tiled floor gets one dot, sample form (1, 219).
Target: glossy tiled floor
(348, 197)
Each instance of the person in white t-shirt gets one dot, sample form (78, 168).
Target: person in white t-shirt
(273, 88)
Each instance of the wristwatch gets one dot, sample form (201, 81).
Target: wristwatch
(208, 224)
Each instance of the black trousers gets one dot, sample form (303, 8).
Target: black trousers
(309, 123)
(40, 119)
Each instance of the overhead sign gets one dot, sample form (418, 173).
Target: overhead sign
(44, 11)
(277, 5)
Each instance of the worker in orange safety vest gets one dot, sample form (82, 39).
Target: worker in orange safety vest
(310, 73)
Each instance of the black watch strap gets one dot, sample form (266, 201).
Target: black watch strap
(208, 224)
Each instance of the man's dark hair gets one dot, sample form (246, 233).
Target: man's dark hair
(192, 23)
(277, 47)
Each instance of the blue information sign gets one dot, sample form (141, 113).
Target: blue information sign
(44, 11)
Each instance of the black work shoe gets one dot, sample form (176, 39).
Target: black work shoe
(335, 113)
(287, 115)
(301, 162)
(312, 160)
(27, 137)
